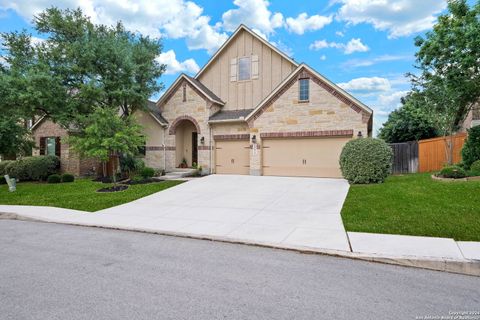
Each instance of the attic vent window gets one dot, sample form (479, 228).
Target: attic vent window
(244, 68)
(184, 92)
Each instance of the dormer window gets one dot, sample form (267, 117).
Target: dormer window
(303, 90)
(244, 68)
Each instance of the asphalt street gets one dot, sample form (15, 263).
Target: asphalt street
(52, 271)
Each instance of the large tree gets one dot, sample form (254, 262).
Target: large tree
(410, 122)
(449, 64)
(78, 68)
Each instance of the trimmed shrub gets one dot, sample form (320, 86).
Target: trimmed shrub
(2, 180)
(366, 160)
(454, 172)
(147, 172)
(475, 168)
(3, 166)
(54, 178)
(471, 148)
(33, 168)
(68, 177)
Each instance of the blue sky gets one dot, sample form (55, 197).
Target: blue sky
(366, 46)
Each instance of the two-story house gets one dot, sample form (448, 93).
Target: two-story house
(253, 110)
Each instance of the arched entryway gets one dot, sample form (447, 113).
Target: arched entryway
(186, 132)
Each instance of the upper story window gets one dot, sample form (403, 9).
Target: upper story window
(244, 68)
(304, 90)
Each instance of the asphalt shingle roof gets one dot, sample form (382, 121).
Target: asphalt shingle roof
(207, 91)
(152, 107)
(230, 114)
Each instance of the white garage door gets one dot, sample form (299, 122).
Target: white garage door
(232, 157)
(303, 157)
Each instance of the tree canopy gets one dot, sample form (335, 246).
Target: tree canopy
(107, 133)
(449, 62)
(79, 67)
(410, 122)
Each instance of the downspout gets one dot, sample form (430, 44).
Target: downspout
(210, 147)
(164, 150)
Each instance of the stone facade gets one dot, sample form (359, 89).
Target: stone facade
(69, 161)
(196, 109)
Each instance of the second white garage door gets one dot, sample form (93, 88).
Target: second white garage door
(303, 157)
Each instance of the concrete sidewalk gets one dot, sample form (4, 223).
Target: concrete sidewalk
(430, 253)
(289, 213)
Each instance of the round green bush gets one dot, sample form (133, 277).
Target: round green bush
(54, 178)
(471, 148)
(454, 172)
(147, 172)
(68, 177)
(475, 168)
(366, 160)
(33, 168)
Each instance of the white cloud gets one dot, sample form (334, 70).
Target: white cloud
(303, 23)
(169, 18)
(340, 33)
(366, 84)
(398, 17)
(354, 45)
(323, 57)
(355, 63)
(253, 13)
(174, 66)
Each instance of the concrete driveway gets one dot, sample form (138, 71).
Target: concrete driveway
(302, 212)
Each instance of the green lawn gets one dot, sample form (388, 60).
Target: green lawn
(79, 195)
(415, 205)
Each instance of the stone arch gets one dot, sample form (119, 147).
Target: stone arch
(177, 121)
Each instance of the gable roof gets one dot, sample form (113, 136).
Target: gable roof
(334, 89)
(155, 113)
(195, 84)
(242, 27)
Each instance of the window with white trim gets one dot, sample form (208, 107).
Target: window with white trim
(244, 68)
(303, 90)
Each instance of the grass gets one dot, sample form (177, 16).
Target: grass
(415, 205)
(79, 195)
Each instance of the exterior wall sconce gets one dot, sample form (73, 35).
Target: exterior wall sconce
(254, 139)
(359, 135)
(202, 140)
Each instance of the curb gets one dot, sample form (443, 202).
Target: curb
(465, 267)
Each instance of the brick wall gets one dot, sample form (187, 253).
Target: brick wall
(69, 160)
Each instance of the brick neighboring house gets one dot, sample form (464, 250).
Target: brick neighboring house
(49, 138)
(253, 110)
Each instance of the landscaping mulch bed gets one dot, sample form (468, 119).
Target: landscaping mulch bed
(113, 189)
(142, 181)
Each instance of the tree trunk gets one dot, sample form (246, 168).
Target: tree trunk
(104, 169)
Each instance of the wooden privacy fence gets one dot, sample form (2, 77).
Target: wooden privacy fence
(405, 157)
(432, 153)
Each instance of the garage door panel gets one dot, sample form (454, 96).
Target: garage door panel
(232, 157)
(303, 157)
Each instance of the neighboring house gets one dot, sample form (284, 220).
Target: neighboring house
(253, 110)
(472, 119)
(49, 139)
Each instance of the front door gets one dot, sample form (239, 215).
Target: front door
(194, 148)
